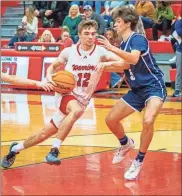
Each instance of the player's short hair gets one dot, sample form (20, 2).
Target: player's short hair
(128, 14)
(87, 24)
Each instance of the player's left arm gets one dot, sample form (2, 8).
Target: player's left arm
(25, 82)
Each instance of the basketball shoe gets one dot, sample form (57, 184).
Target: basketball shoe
(9, 159)
(133, 171)
(52, 157)
(123, 150)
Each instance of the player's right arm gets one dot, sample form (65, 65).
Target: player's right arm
(61, 60)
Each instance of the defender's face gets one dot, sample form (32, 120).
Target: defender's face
(88, 36)
(120, 26)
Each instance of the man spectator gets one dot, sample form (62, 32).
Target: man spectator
(55, 13)
(89, 14)
(20, 36)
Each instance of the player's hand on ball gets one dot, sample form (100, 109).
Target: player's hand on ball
(47, 86)
(49, 79)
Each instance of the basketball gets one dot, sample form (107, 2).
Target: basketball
(65, 81)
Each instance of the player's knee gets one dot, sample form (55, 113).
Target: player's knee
(110, 120)
(76, 114)
(148, 121)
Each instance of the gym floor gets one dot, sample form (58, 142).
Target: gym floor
(88, 151)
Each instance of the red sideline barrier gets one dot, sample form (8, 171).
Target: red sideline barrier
(172, 73)
(161, 47)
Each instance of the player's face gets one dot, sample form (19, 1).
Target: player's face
(121, 26)
(88, 36)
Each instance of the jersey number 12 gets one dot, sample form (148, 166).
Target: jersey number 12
(83, 79)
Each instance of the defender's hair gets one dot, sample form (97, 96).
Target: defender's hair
(128, 14)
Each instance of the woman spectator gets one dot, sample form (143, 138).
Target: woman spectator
(112, 36)
(65, 37)
(30, 22)
(163, 19)
(146, 11)
(47, 37)
(72, 21)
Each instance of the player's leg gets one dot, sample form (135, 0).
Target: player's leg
(36, 138)
(122, 109)
(152, 109)
(73, 111)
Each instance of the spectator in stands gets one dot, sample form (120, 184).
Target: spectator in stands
(65, 37)
(89, 14)
(112, 36)
(20, 36)
(47, 37)
(40, 8)
(110, 6)
(55, 13)
(146, 11)
(30, 22)
(139, 27)
(72, 21)
(178, 35)
(163, 19)
(98, 4)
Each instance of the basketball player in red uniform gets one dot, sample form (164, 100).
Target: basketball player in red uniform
(84, 62)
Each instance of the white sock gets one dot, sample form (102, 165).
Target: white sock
(57, 143)
(18, 147)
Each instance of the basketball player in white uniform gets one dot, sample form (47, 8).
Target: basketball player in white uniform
(83, 60)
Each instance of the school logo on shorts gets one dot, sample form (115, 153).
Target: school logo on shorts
(132, 77)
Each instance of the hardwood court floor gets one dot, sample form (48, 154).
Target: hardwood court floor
(87, 152)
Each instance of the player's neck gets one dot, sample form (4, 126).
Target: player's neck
(126, 34)
(86, 47)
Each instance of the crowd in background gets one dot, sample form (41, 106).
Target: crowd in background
(157, 15)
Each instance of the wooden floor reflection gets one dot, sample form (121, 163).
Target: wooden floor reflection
(25, 114)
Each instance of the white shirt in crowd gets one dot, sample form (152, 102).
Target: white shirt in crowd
(31, 28)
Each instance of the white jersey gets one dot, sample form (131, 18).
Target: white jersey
(84, 66)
